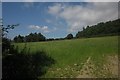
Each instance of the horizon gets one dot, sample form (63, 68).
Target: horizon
(56, 19)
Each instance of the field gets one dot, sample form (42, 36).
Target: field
(79, 58)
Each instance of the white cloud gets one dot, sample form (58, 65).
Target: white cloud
(43, 29)
(78, 16)
(55, 9)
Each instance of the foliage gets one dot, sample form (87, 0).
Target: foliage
(8, 27)
(6, 44)
(32, 37)
(69, 36)
(50, 39)
(19, 38)
(22, 65)
(101, 29)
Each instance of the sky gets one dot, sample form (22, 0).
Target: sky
(60, 0)
(0, 10)
(56, 19)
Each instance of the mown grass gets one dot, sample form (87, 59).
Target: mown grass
(70, 55)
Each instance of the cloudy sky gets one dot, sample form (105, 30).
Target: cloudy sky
(59, 0)
(56, 19)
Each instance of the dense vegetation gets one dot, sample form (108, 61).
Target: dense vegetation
(101, 29)
(69, 36)
(32, 37)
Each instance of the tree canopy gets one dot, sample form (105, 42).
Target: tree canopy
(69, 36)
(32, 37)
(101, 29)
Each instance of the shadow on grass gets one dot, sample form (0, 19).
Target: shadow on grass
(22, 65)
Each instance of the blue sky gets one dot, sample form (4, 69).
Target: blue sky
(54, 19)
(60, 0)
(0, 10)
(27, 14)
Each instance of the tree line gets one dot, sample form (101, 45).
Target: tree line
(36, 37)
(101, 29)
(32, 37)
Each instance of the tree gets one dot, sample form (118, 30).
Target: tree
(50, 39)
(19, 38)
(101, 29)
(15, 39)
(41, 37)
(69, 36)
(83, 28)
(32, 37)
(6, 44)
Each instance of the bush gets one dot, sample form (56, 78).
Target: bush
(24, 65)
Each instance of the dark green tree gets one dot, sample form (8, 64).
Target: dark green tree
(32, 37)
(19, 38)
(41, 37)
(69, 36)
(101, 29)
(6, 44)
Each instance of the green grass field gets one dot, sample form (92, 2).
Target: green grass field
(70, 55)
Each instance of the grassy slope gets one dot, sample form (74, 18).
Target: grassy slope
(68, 53)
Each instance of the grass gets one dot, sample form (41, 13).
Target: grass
(70, 55)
